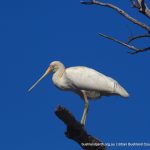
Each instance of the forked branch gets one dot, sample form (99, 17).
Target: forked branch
(135, 50)
(142, 7)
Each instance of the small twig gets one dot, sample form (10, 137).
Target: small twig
(137, 37)
(76, 131)
(120, 11)
(142, 50)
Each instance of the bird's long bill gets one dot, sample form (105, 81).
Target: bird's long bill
(43, 76)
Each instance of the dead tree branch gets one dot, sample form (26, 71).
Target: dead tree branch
(136, 50)
(138, 37)
(76, 131)
(120, 11)
(142, 50)
(141, 6)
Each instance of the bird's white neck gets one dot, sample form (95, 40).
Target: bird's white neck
(58, 73)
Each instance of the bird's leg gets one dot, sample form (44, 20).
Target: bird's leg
(86, 105)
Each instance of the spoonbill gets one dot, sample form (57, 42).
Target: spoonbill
(86, 82)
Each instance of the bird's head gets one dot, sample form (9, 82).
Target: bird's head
(53, 67)
(56, 65)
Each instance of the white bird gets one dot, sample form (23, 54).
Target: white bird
(86, 82)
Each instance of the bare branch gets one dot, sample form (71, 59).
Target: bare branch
(120, 11)
(142, 7)
(137, 37)
(120, 42)
(142, 50)
(136, 50)
(76, 131)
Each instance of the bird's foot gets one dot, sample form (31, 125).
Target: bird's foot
(83, 122)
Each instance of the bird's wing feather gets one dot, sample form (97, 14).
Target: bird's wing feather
(85, 78)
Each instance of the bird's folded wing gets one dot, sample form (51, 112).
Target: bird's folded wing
(89, 79)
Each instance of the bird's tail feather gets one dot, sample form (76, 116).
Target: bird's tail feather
(121, 91)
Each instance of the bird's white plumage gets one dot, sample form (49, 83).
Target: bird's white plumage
(87, 82)
(79, 79)
(88, 79)
(93, 82)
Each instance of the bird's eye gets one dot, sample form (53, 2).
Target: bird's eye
(52, 66)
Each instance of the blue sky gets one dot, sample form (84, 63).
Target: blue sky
(34, 33)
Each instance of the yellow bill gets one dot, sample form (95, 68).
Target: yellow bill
(43, 76)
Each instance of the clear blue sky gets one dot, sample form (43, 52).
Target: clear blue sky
(34, 33)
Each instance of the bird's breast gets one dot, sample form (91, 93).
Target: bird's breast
(60, 83)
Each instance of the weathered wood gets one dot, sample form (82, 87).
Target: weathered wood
(76, 131)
